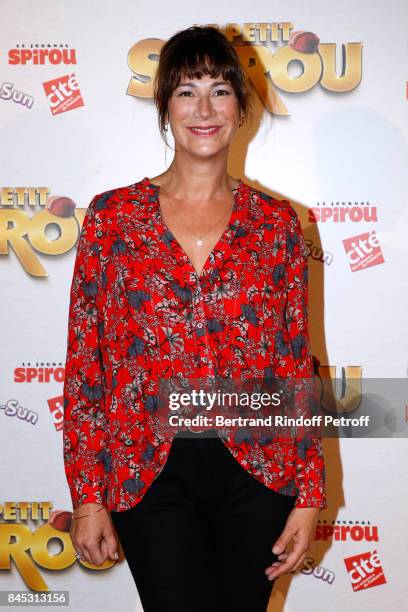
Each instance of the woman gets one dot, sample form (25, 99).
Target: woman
(189, 275)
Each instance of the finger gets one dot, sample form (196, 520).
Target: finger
(300, 545)
(95, 554)
(111, 544)
(104, 548)
(280, 560)
(282, 542)
(299, 548)
(98, 554)
(286, 566)
(84, 555)
(277, 562)
(78, 547)
(77, 542)
(279, 571)
(80, 551)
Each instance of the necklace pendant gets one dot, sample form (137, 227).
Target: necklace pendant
(199, 242)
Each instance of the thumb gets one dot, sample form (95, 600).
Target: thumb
(282, 542)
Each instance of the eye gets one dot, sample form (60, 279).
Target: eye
(184, 92)
(223, 91)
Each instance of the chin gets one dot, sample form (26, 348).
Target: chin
(205, 153)
(204, 149)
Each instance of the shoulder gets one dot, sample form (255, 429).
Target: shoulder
(107, 203)
(281, 211)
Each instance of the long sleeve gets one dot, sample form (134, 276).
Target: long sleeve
(310, 467)
(85, 423)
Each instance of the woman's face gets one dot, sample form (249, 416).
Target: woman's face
(203, 103)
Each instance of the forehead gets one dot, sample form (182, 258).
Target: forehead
(205, 80)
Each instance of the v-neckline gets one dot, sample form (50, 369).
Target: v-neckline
(222, 241)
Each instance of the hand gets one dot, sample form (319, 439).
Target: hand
(94, 536)
(300, 526)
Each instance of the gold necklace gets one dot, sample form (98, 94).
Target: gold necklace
(199, 241)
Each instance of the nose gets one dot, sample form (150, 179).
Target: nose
(205, 107)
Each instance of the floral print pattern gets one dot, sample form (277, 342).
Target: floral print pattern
(140, 313)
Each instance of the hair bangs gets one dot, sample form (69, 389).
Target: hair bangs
(202, 61)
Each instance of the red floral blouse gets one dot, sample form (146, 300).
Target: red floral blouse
(140, 313)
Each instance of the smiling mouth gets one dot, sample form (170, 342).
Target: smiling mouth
(208, 131)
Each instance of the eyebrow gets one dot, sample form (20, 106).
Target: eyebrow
(212, 85)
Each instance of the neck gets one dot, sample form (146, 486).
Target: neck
(197, 182)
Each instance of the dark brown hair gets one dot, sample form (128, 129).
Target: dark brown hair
(197, 51)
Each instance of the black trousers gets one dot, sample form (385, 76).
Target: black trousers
(201, 537)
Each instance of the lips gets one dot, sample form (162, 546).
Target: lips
(205, 131)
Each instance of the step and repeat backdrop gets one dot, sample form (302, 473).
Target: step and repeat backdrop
(329, 133)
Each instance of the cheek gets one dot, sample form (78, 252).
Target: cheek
(229, 107)
(180, 107)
